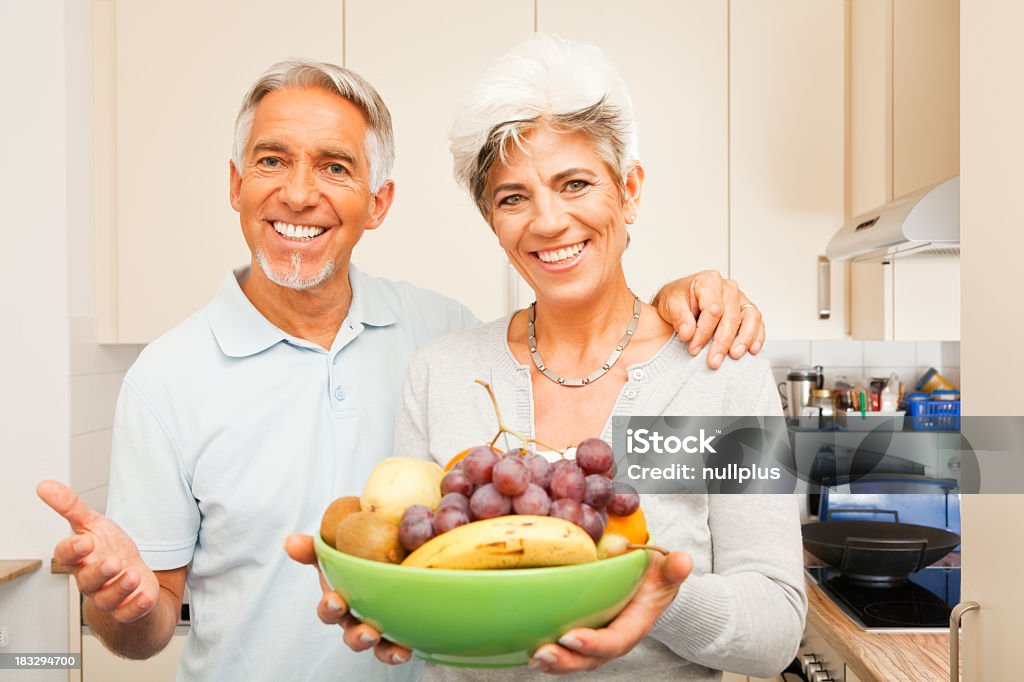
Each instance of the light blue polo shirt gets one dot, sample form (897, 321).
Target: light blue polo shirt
(230, 434)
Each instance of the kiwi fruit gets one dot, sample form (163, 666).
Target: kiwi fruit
(369, 535)
(334, 514)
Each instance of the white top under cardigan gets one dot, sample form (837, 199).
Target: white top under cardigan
(743, 607)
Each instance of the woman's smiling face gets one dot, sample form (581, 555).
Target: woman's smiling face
(560, 215)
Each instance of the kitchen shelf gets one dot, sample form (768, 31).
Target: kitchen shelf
(14, 568)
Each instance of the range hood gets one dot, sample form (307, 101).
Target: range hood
(923, 222)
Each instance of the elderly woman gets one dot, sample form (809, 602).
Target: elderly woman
(547, 148)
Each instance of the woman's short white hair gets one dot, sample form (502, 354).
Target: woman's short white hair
(545, 80)
(306, 73)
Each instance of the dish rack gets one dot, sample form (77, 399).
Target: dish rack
(934, 415)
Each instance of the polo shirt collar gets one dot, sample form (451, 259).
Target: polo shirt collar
(241, 330)
(369, 305)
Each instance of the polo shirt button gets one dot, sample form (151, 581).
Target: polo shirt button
(638, 374)
(630, 394)
(339, 393)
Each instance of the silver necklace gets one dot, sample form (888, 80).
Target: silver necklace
(596, 374)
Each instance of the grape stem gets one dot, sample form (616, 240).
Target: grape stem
(651, 547)
(504, 429)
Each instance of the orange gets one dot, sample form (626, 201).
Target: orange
(632, 527)
(459, 457)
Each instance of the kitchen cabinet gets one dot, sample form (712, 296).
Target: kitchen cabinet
(786, 158)
(168, 79)
(991, 378)
(734, 677)
(424, 59)
(682, 224)
(674, 59)
(904, 135)
(101, 665)
(741, 136)
(904, 98)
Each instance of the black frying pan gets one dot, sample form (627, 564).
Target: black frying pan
(877, 551)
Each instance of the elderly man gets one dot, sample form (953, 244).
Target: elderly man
(239, 425)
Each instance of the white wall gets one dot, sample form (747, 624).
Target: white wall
(33, 345)
(95, 371)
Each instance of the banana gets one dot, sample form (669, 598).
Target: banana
(516, 541)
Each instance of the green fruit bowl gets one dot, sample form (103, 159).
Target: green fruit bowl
(481, 619)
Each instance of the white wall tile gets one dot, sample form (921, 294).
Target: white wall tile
(837, 353)
(786, 354)
(90, 460)
(890, 353)
(861, 360)
(88, 357)
(907, 375)
(929, 354)
(96, 498)
(950, 354)
(780, 377)
(853, 375)
(93, 397)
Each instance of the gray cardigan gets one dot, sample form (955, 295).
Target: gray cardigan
(743, 607)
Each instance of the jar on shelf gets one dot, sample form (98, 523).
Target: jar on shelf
(824, 400)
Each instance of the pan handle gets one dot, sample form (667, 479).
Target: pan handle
(954, 636)
(841, 510)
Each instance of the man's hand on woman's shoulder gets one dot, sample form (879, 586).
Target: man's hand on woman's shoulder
(706, 307)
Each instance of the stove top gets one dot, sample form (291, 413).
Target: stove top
(922, 604)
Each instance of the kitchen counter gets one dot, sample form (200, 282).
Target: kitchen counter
(13, 568)
(876, 656)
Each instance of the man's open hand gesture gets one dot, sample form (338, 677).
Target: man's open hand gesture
(104, 560)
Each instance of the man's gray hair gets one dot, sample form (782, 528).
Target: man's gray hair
(546, 80)
(306, 73)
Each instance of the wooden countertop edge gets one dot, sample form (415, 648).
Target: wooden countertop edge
(57, 568)
(14, 568)
(878, 657)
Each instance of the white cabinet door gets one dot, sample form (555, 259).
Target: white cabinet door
(423, 58)
(991, 215)
(733, 677)
(101, 665)
(169, 79)
(925, 93)
(786, 157)
(674, 59)
(904, 135)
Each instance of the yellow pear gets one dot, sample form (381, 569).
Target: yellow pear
(400, 482)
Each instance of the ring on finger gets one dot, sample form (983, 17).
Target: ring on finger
(747, 305)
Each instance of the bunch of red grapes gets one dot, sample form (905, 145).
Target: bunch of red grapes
(486, 484)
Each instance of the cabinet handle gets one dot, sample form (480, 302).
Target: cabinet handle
(824, 288)
(954, 636)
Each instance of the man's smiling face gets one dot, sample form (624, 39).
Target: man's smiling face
(303, 195)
